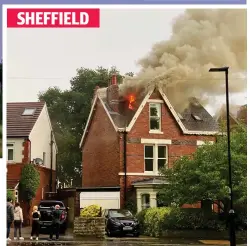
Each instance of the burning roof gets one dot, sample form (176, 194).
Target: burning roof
(122, 109)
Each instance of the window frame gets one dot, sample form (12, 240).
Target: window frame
(159, 108)
(29, 111)
(155, 158)
(145, 205)
(12, 147)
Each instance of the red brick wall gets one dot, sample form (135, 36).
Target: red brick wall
(100, 153)
(14, 172)
(170, 129)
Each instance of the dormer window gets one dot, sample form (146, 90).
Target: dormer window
(155, 117)
(29, 111)
(196, 117)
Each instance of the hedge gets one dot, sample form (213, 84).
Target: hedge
(154, 221)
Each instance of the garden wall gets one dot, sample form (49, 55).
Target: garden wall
(89, 227)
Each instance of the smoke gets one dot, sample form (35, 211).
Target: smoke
(200, 39)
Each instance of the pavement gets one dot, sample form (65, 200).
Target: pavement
(69, 239)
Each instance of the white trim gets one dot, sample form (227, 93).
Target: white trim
(199, 142)
(155, 141)
(184, 130)
(16, 186)
(88, 121)
(138, 174)
(132, 122)
(10, 148)
(116, 128)
(155, 101)
(155, 132)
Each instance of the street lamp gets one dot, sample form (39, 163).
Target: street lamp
(231, 211)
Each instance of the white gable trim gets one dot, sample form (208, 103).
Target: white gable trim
(47, 113)
(115, 127)
(183, 128)
(88, 121)
(90, 117)
(132, 122)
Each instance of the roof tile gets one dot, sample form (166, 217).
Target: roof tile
(19, 125)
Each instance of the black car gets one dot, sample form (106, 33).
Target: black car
(120, 222)
(46, 208)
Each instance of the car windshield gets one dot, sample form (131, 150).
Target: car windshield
(119, 213)
(50, 204)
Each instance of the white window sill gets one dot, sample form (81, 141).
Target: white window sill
(11, 162)
(155, 132)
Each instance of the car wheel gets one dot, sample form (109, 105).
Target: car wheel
(109, 233)
(136, 234)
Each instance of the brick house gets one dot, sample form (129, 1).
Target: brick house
(30, 139)
(237, 115)
(128, 139)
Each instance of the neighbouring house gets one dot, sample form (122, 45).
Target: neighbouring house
(30, 139)
(237, 115)
(128, 139)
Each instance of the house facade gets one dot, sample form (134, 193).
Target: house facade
(30, 139)
(127, 140)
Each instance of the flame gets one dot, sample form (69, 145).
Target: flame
(131, 100)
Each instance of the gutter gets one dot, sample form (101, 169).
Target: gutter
(51, 160)
(125, 165)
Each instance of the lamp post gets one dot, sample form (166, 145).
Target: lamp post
(231, 211)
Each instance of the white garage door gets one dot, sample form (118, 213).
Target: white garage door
(107, 199)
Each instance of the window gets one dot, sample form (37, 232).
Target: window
(29, 111)
(155, 116)
(196, 117)
(10, 152)
(145, 201)
(155, 157)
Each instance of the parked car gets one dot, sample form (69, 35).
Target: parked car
(120, 222)
(46, 208)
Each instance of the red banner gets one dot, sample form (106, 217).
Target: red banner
(53, 18)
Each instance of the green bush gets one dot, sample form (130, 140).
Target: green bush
(10, 195)
(192, 219)
(91, 211)
(154, 221)
(29, 182)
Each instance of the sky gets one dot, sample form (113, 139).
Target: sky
(44, 58)
(49, 57)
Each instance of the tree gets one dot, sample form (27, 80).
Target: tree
(10, 195)
(205, 175)
(29, 182)
(69, 111)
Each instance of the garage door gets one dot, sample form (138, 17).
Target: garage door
(106, 200)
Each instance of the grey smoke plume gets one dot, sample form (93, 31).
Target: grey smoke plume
(200, 39)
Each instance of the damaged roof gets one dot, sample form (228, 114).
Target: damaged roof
(21, 117)
(193, 120)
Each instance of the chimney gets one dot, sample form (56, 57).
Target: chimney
(114, 80)
(113, 94)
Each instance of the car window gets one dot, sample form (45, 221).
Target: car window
(50, 204)
(119, 213)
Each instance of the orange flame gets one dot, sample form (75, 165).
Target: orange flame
(131, 100)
